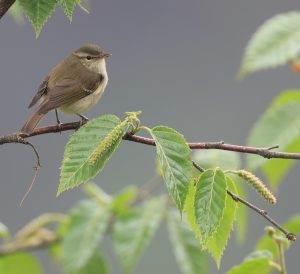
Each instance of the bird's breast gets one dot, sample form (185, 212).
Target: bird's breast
(86, 103)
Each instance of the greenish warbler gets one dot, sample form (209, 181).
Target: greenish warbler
(73, 87)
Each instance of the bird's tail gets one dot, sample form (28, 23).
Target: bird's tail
(32, 122)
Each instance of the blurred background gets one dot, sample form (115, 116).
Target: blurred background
(177, 62)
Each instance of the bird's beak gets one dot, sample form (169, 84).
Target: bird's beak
(105, 55)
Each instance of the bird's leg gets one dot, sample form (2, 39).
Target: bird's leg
(58, 121)
(84, 119)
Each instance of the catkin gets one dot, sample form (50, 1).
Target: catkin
(257, 184)
(106, 143)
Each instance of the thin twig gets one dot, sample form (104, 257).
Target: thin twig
(21, 140)
(5, 5)
(281, 256)
(15, 247)
(290, 236)
(146, 188)
(264, 152)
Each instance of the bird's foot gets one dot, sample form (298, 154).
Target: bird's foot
(59, 126)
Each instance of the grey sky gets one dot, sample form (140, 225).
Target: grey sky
(174, 60)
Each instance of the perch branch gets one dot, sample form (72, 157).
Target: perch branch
(263, 152)
(5, 5)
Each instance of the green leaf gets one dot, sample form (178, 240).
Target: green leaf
(253, 264)
(217, 243)
(242, 212)
(123, 199)
(38, 12)
(19, 263)
(280, 124)
(88, 150)
(68, 7)
(189, 208)
(275, 43)
(174, 157)
(189, 256)
(55, 249)
(97, 193)
(4, 232)
(293, 225)
(87, 225)
(96, 264)
(134, 229)
(209, 203)
(276, 169)
(221, 158)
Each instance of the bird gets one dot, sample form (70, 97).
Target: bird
(73, 87)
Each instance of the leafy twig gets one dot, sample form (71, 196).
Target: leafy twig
(290, 236)
(264, 152)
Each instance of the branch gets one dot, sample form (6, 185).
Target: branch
(264, 152)
(5, 5)
(14, 247)
(290, 236)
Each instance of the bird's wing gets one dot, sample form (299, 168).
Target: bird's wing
(68, 91)
(42, 90)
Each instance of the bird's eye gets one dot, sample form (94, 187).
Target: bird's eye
(89, 57)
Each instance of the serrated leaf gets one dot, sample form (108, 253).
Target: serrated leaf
(174, 157)
(87, 225)
(88, 150)
(209, 203)
(267, 243)
(133, 230)
(19, 263)
(280, 124)
(189, 208)
(189, 256)
(253, 264)
(275, 43)
(217, 243)
(38, 12)
(221, 158)
(68, 7)
(97, 264)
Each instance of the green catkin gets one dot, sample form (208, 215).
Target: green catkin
(257, 184)
(107, 143)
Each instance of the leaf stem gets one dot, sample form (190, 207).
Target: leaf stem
(281, 256)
